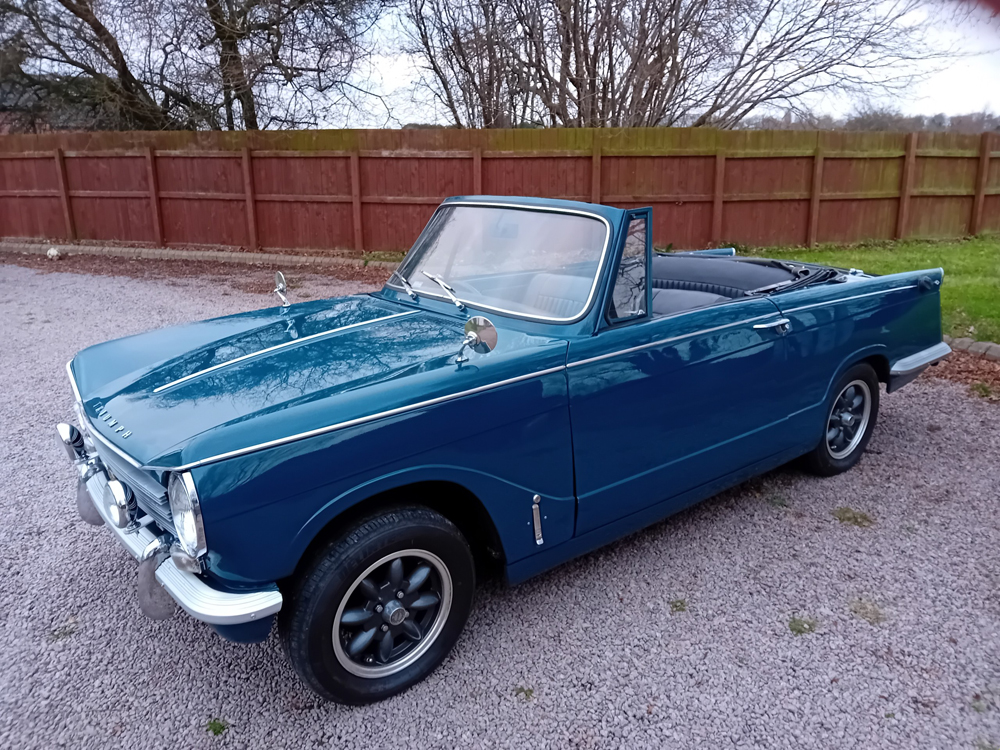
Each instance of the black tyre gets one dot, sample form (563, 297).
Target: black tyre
(850, 421)
(380, 606)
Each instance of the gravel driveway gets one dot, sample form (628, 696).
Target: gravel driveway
(676, 637)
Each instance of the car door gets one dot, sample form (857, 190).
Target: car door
(662, 404)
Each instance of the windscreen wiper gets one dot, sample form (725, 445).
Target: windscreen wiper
(795, 270)
(825, 274)
(769, 288)
(406, 284)
(447, 289)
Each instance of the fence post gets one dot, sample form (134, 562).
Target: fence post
(251, 200)
(67, 207)
(477, 171)
(154, 195)
(814, 197)
(359, 237)
(595, 169)
(976, 218)
(906, 186)
(718, 192)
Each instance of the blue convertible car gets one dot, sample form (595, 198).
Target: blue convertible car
(531, 383)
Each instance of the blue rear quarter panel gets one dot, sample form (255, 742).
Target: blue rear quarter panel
(884, 318)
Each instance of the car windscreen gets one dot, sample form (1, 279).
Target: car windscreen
(536, 263)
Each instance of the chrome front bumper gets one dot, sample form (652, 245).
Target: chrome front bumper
(194, 596)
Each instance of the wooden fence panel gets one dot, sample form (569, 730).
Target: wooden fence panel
(202, 199)
(109, 197)
(767, 200)
(303, 201)
(563, 177)
(29, 198)
(351, 191)
(859, 199)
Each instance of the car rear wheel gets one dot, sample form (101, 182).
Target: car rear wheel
(380, 606)
(850, 421)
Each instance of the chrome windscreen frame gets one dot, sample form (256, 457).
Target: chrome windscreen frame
(523, 315)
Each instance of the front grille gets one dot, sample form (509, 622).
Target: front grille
(150, 495)
(158, 509)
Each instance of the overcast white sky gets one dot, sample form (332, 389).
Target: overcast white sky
(968, 83)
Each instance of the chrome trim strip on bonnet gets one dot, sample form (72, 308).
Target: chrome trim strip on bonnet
(274, 348)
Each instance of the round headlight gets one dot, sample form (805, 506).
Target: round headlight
(186, 511)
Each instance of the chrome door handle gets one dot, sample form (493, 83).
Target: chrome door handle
(782, 325)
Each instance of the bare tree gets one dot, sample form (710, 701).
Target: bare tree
(595, 63)
(464, 47)
(193, 64)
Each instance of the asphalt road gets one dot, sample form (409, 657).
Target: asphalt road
(680, 636)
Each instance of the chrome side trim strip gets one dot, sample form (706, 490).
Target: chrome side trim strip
(270, 349)
(90, 426)
(523, 315)
(355, 422)
(920, 360)
(195, 597)
(659, 342)
(848, 299)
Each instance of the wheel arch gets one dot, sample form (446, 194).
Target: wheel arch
(451, 499)
(879, 363)
(875, 356)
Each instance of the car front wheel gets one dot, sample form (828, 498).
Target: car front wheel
(380, 606)
(850, 421)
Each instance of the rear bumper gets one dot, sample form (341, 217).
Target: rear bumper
(908, 368)
(197, 598)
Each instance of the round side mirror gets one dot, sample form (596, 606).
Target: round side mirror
(485, 333)
(279, 282)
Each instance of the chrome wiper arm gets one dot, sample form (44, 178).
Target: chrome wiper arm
(825, 274)
(447, 289)
(769, 288)
(406, 284)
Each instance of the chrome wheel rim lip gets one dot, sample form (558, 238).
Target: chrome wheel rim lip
(866, 393)
(444, 609)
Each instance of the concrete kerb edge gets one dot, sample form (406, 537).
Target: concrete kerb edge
(170, 253)
(984, 349)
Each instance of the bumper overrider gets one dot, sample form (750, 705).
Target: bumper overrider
(165, 568)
